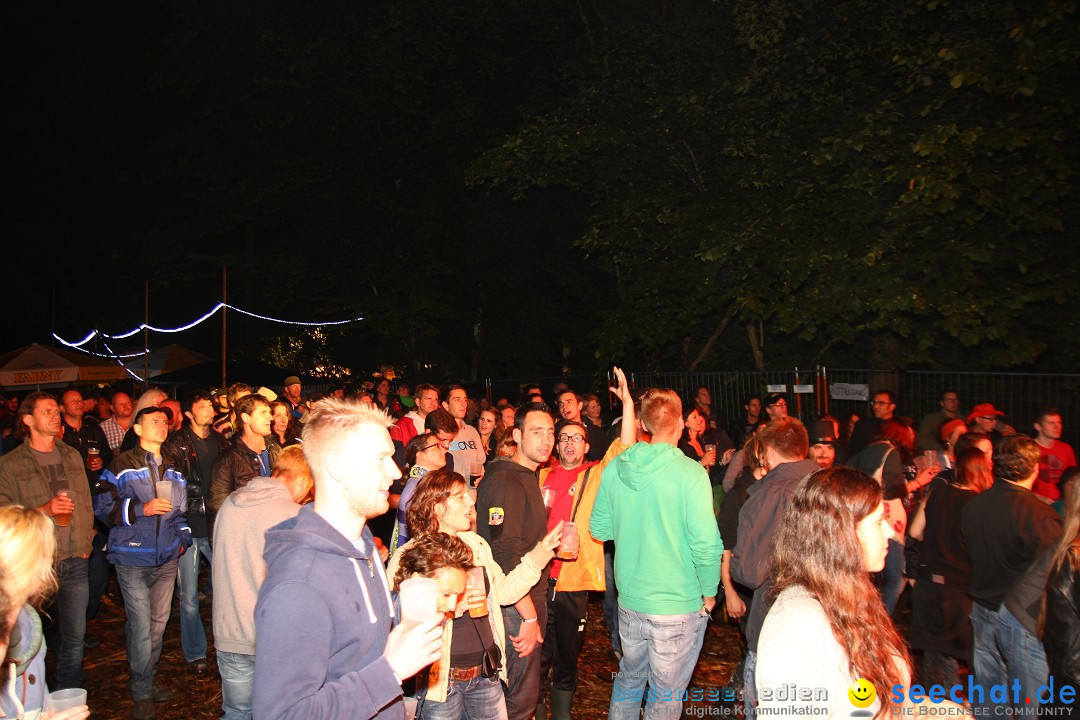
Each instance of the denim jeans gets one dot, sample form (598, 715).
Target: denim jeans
(611, 596)
(99, 574)
(148, 593)
(659, 649)
(522, 673)
(192, 633)
(750, 684)
(892, 576)
(237, 684)
(478, 699)
(1004, 651)
(68, 610)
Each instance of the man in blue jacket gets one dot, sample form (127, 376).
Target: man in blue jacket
(147, 535)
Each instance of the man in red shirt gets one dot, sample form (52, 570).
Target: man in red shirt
(1055, 455)
(569, 490)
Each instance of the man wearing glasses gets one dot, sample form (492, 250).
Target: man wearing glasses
(883, 406)
(569, 491)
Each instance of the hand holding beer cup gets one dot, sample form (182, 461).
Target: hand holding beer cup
(157, 506)
(59, 507)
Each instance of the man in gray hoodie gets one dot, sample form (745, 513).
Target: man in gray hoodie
(239, 570)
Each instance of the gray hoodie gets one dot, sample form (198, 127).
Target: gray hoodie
(239, 568)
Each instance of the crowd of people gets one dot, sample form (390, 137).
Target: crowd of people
(316, 512)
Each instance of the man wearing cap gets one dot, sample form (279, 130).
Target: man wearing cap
(884, 407)
(986, 419)
(823, 442)
(928, 428)
(775, 406)
(291, 397)
(148, 533)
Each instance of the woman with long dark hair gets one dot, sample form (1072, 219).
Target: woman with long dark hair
(827, 626)
(283, 426)
(941, 606)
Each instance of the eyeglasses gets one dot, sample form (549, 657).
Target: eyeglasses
(987, 417)
(881, 402)
(434, 444)
(571, 438)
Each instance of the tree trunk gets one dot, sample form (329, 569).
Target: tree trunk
(713, 338)
(756, 345)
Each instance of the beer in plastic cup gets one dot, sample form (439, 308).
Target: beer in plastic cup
(419, 599)
(476, 469)
(64, 700)
(92, 449)
(474, 582)
(711, 448)
(570, 542)
(931, 457)
(63, 519)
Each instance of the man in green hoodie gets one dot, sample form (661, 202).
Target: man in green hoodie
(656, 504)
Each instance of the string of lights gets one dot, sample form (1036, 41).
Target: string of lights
(144, 326)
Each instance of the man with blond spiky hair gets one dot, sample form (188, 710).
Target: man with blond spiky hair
(327, 646)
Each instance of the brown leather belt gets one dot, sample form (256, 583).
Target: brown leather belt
(464, 674)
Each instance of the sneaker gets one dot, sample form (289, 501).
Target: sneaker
(197, 666)
(143, 710)
(161, 694)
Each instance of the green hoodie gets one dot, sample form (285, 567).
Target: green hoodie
(656, 504)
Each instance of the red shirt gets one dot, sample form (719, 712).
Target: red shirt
(1052, 461)
(563, 482)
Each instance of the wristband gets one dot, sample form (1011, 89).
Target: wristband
(529, 620)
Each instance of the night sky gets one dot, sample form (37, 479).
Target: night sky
(329, 158)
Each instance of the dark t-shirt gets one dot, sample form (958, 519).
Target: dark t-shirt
(1006, 529)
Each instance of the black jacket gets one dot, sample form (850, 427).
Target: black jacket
(179, 451)
(235, 467)
(1061, 635)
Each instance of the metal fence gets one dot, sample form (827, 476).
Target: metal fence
(1018, 395)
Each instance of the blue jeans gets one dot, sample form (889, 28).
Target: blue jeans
(611, 596)
(192, 633)
(522, 673)
(1004, 651)
(148, 593)
(478, 699)
(69, 612)
(237, 684)
(660, 649)
(750, 684)
(892, 576)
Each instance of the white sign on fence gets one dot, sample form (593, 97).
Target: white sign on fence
(804, 389)
(849, 391)
(776, 388)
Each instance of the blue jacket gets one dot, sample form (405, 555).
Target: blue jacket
(138, 540)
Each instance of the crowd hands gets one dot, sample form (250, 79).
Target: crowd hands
(298, 501)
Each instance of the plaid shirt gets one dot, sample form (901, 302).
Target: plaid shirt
(114, 434)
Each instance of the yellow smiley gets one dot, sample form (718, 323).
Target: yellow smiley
(862, 693)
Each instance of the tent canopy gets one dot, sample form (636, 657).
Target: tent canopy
(166, 360)
(38, 365)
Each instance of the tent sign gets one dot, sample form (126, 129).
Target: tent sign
(40, 377)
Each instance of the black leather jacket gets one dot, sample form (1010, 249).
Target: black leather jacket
(1061, 634)
(236, 466)
(179, 451)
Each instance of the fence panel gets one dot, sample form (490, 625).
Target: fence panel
(1018, 395)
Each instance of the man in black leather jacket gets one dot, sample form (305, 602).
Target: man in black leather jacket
(192, 451)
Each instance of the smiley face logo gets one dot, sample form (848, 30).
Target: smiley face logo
(862, 693)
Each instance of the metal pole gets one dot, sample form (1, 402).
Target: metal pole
(224, 309)
(146, 336)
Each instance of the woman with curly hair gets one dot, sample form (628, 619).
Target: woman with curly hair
(827, 627)
(464, 684)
